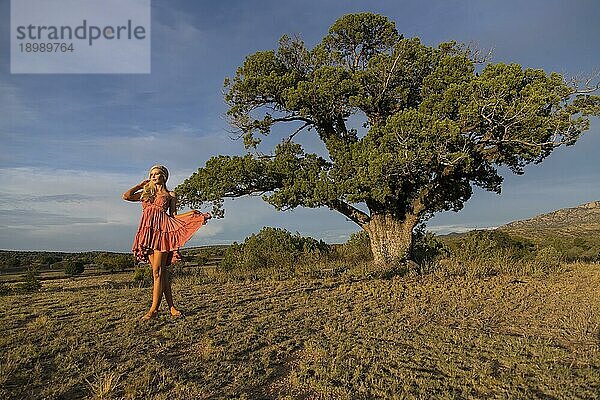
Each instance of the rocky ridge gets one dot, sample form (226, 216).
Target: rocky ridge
(582, 220)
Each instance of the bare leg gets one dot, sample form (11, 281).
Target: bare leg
(157, 260)
(166, 287)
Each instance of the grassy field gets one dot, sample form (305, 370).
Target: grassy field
(417, 337)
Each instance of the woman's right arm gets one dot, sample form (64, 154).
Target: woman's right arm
(134, 193)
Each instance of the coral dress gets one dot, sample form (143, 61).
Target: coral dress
(162, 232)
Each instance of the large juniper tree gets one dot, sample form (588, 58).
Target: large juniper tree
(434, 127)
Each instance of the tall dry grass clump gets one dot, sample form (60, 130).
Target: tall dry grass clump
(487, 253)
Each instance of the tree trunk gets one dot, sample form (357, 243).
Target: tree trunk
(391, 238)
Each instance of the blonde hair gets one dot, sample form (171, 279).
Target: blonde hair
(150, 188)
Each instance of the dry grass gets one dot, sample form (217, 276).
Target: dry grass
(429, 336)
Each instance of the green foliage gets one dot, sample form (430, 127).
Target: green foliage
(427, 249)
(355, 38)
(573, 248)
(357, 249)
(201, 258)
(272, 249)
(486, 244)
(143, 275)
(493, 252)
(73, 268)
(31, 281)
(48, 260)
(10, 262)
(115, 261)
(434, 127)
(4, 289)
(486, 253)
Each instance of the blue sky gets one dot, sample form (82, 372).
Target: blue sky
(71, 144)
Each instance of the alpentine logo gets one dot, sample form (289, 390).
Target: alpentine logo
(80, 36)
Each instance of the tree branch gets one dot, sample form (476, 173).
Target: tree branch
(293, 118)
(477, 55)
(349, 211)
(289, 138)
(389, 76)
(588, 87)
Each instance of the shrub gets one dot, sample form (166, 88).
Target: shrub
(357, 249)
(48, 260)
(31, 282)
(10, 262)
(143, 275)
(272, 249)
(73, 268)
(427, 249)
(233, 258)
(547, 259)
(115, 262)
(201, 259)
(489, 244)
(487, 253)
(4, 288)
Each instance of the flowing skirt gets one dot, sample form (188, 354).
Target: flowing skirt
(161, 232)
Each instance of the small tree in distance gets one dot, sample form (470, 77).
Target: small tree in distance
(74, 268)
(433, 128)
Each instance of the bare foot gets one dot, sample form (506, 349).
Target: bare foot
(175, 312)
(150, 315)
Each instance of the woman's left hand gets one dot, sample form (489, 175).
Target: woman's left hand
(205, 215)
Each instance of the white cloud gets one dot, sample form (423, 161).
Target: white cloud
(70, 210)
(68, 192)
(19, 218)
(446, 229)
(58, 209)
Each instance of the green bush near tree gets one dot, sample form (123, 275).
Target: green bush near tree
(427, 249)
(357, 249)
(273, 249)
(486, 244)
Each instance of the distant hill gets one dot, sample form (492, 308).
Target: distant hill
(580, 221)
(575, 231)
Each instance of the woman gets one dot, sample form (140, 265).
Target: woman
(161, 232)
